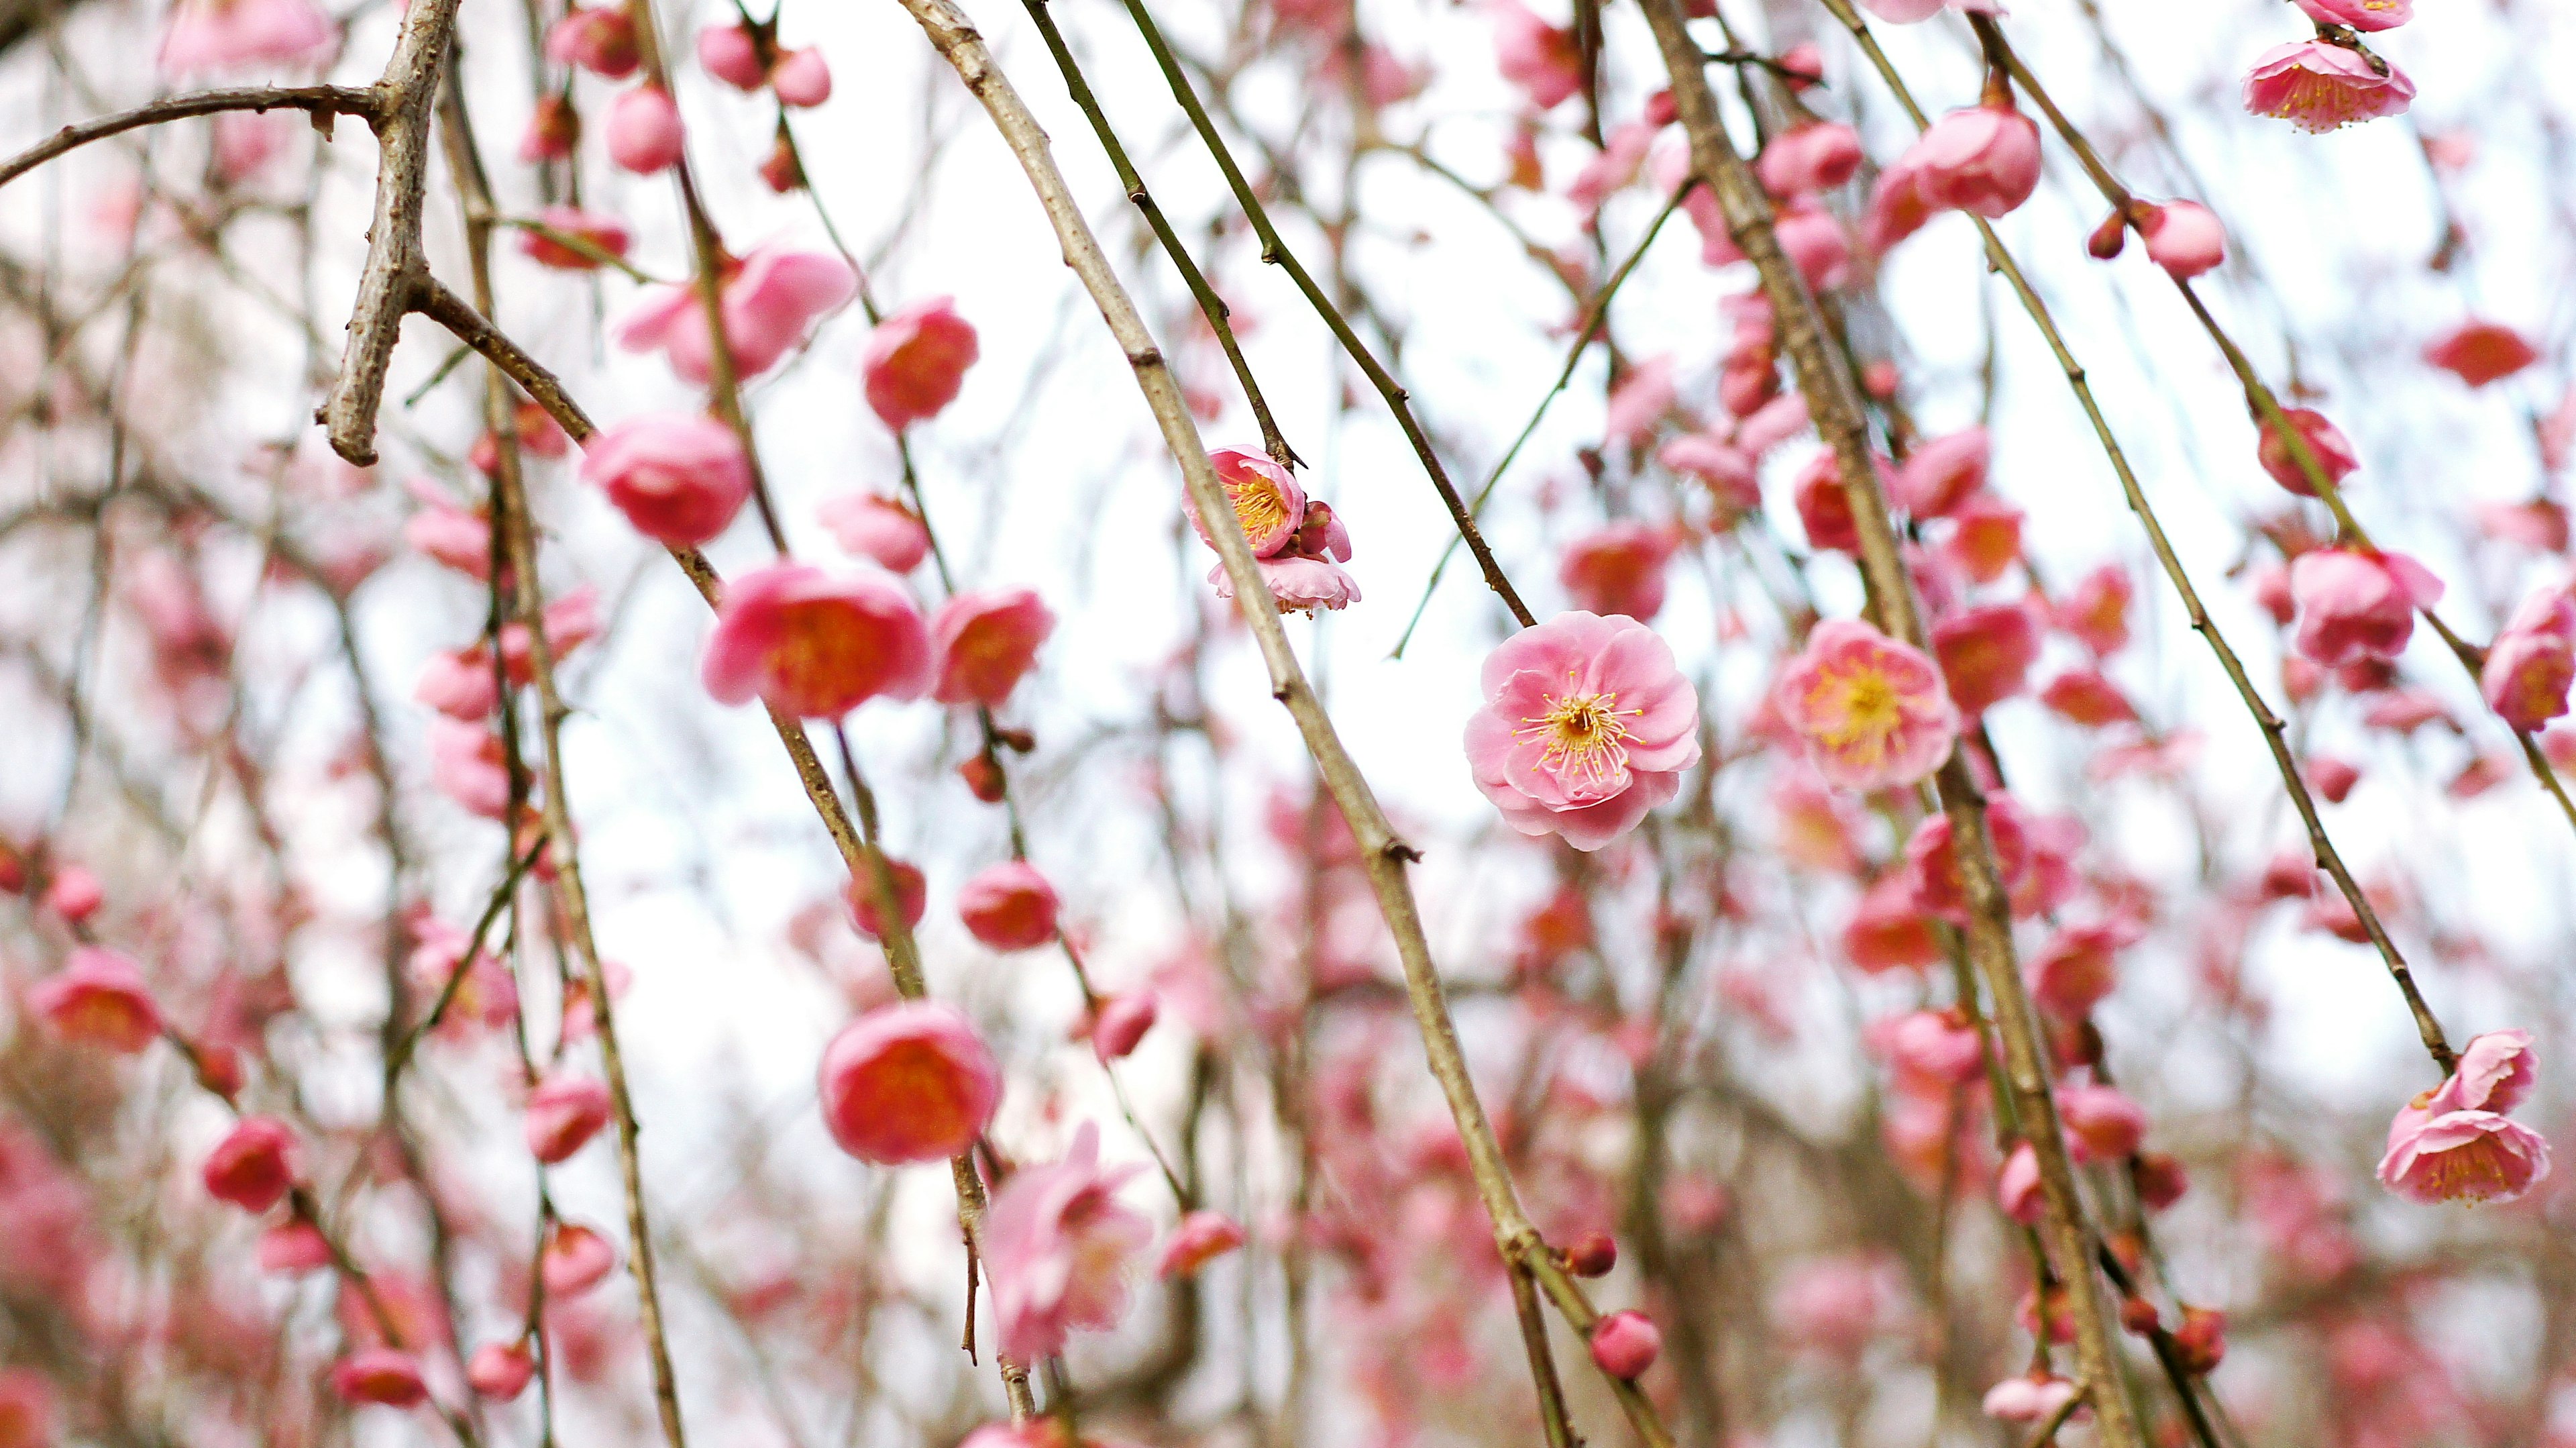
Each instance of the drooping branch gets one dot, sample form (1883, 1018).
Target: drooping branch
(322, 102)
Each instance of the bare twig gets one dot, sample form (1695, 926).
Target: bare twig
(322, 102)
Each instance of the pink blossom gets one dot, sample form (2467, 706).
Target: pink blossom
(2077, 969)
(500, 1371)
(1872, 712)
(253, 1166)
(455, 537)
(565, 1111)
(2356, 605)
(2359, 14)
(1943, 473)
(1931, 1048)
(2032, 1398)
(1202, 1237)
(1814, 156)
(2481, 352)
(2461, 1156)
(2017, 1188)
(1009, 906)
(1267, 501)
(908, 1082)
(75, 894)
(384, 1376)
(1617, 165)
(679, 478)
(607, 233)
(98, 998)
(1983, 159)
(220, 35)
(2319, 86)
(814, 645)
(1886, 930)
(1540, 58)
(1824, 507)
(2532, 661)
(1121, 1024)
(1835, 1306)
(2334, 454)
(1906, 12)
(730, 55)
(1898, 207)
(554, 130)
(1986, 653)
(916, 360)
(2184, 238)
(576, 1259)
(1813, 238)
(801, 78)
(643, 130)
(1625, 1344)
(293, 1248)
(1727, 470)
(1639, 402)
(911, 893)
(1618, 569)
(985, 642)
(468, 765)
(1587, 725)
(2496, 1072)
(26, 1409)
(877, 528)
(460, 684)
(768, 303)
(1059, 1245)
(1932, 864)
(1298, 583)
(2102, 1123)
(598, 38)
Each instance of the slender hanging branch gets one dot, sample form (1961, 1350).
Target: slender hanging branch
(322, 102)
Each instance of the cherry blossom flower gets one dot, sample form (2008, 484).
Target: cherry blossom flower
(2319, 86)
(1931, 1048)
(2102, 1123)
(916, 360)
(2017, 1188)
(769, 300)
(2355, 605)
(500, 1371)
(1835, 1306)
(1618, 569)
(909, 1082)
(98, 998)
(2333, 451)
(1809, 157)
(26, 1409)
(1639, 401)
(1542, 59)
(2481, 352)
(292, 1248)
(1872, 712)
(385, 1376)
(565, 1110)
(2359, 14)
(1626, 1343)
(801, 78)
(604, 232)
(75, 894)
(1299, 583)
(2184, 238)
(1982, 159)
(576, 1259)
(912, 897)
(2532, 661)
(1268, 504)
(1202, 1237)
(1906, 12)
(1887, 931)
(1986, 653)
(1814, 241)
(643, 131)
(731, 55)
(2077, 969)
(2455, 1143)
(1009, 906)
(254, 1166)
(1059, 1245)
(1587, 725)
(1943, 473)
(223, 35)
(1121, 1024)
(600, 39)
(985, 642)
(554, 130)
(2031, 1398)
(877, 528)
(814, 645)
(679, 478)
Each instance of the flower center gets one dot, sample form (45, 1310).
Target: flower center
(1862, 705)
(2472, 1171)
(1585, 739)
(1259, 506)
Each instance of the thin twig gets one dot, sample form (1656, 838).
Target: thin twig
(322, 102)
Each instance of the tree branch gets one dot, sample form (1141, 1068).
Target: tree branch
(322, 102)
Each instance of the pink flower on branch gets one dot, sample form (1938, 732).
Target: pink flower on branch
(909, 1082)
(985, 642)
(814, 645)
(1587, 725)
(680, 479)
(1872, 712)
(916, 360)
(98, 998)
(1009, 906)
(2319, 86)
(1060, 1246)
(769, 300)
(2455, 1143)
(2356, 605)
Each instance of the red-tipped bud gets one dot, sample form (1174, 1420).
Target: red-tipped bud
(1592, 1256)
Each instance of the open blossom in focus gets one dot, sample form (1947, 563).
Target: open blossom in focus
(1059, 1245)
(2319, 86)
(679, 478)
(1267, 501)
(1540, 58)
(1618, 569)
(916, 360)
(816, 645)
(2481, 352)
(2532, 661)
(98, 998)
(769, 300)
(2455, 1143)
(1983, 159)
(1587, 725)
(985, 641)
(1298, 543)
(226, 35)
(2355, 605)
(1873, 712)
(908, 1082)
(1009, 906)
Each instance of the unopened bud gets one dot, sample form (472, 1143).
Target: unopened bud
(1592, 1256)
(2109, 238)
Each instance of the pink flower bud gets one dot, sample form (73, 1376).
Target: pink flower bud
(910, 1082)
(607, 233)
(1592, 1255)
(2333, 451)
(1009, 906)
(1984, 159)
(2184, 238)
(1122, 1024)
(801, 78)
(730, 55)
(911, 894)
(1625, 1344)
(75, 894)
(2481, 352)
(1815, 156)
(554, 130)
(565, 1111)
(680, 479)
(644, 130)
(576, 1259)
(382, 1376)
(2017, 1188)
(292, 1249)
(1201, 1237)
(599, 39)
(876, 528)
(500, 1371)
(253, 1167)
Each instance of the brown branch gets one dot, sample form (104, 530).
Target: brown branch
(1834, 402)
(322, 102)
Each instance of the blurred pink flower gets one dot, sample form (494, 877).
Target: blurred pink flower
(98, 998)
(2356, 605)
(2334, 454)
(1835, 1306)
(212, 35)
(1587, 725)
(2028, 1399)
(565, 1110)
(911, 893)
(1943, 473)
(1626, 1343)
(602, 231)
(26, 1409)
(1202, 1237)
(2102, 1123)
(801, 78)
(2481, 352)
(2532, 661)
(876, 528)
(500, 1371)
(1542, 59)
(985, 641)
(2017, 1189)
(1813, 238)
(769, 301)
(380, 1375)
(916, 360)
(598, 38)
(1640, 400)
(1059, 1245)
(576, 1259)
(1813, 156)
(75, 894)
(253, 1166)
(730, 55)
(2319, 86)
(1618, 568)
(1872, 712)
(814, 645)
(1983, 159)
(1986, 653)
(1009, 906)
(678, 477)
(909, 1082)
(643, 130)
(2359, 14)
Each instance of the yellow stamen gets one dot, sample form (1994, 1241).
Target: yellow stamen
(1586, 739)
